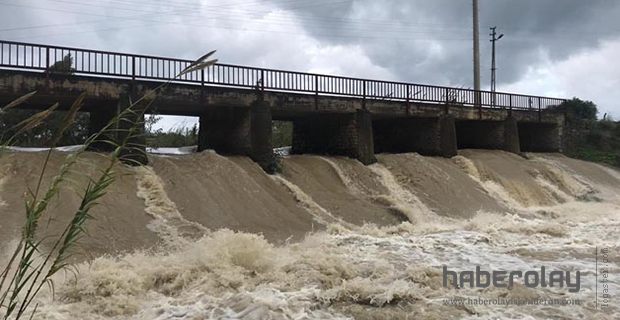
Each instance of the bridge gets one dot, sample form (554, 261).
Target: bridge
(236, 105)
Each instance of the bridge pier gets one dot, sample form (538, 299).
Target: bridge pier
(128, 130)
(98, 120)
(484, 134)
(426, 136)
(540, 137)
(339, 134)
(239, 131)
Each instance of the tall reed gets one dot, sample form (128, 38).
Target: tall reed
(31, 267)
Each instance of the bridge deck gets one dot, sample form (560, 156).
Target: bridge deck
(105, 64)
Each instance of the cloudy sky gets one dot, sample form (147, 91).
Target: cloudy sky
(562, 48)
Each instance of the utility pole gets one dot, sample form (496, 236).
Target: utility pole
(476, 54)
(494, 38)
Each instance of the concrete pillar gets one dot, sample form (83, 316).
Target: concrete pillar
(511, 136)
(540, 137)
(131, 132)
(483, 134)
(239, 131)
(261, 136)
(447, 136)
(341, 134)
(226, 130)
(98, 119)
(426, 136)
(365, 137)
(127, 130)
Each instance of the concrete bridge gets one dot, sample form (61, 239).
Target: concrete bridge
(236, 105)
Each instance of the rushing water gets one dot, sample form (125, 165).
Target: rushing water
(329, 238)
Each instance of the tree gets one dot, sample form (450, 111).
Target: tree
(282, 133)
(40, 136)
(63, 66)
(578, 110)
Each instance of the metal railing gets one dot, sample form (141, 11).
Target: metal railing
(28, 56)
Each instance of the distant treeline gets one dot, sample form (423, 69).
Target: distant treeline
(587, 137)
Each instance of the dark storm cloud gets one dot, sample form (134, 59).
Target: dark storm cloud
(430, 41)
(551, 47)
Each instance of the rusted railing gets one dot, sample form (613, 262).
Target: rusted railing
(28, 56)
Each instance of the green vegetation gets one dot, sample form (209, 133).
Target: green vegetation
(181, 136)
(63, 66)
(588, 138)
(175, 137)
(41, 134)
(282, 135)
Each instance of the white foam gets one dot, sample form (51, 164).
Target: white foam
(491, 187)
(344, 272)
(320, 214)
(167, 220)
(172, 151)
(401, 198)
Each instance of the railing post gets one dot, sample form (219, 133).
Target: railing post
(479, 99)
(539, 109)
(47, 60)
(133, 68)
(364, 94)
(510, 104)
(316, 84)
(260, 86)
(316, 92)
(408, 99)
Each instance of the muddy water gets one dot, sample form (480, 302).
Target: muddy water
(329, 238)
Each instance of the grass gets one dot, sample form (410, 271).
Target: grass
(597, 141)
(175, 137)
(31, 268)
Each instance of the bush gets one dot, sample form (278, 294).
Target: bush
(577, 109)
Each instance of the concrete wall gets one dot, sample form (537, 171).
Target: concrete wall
(261, 136)
(480, 134)
(239, 131)
(232, 123)
(342, 134)
(540, 137)
(427, 136)
(185, 99)
(117, 125)
(98, 120)
(131, 131)
(226, 130)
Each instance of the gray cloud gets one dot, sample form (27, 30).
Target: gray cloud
(533, 28)
(409, 40)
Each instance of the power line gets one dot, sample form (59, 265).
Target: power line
(232, 14)
(344, 24)
(302, 17)
(329, 35)
(325, 35)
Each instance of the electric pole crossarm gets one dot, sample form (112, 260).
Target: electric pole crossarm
(494, 38)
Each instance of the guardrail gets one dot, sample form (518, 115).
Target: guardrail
(29, 56)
